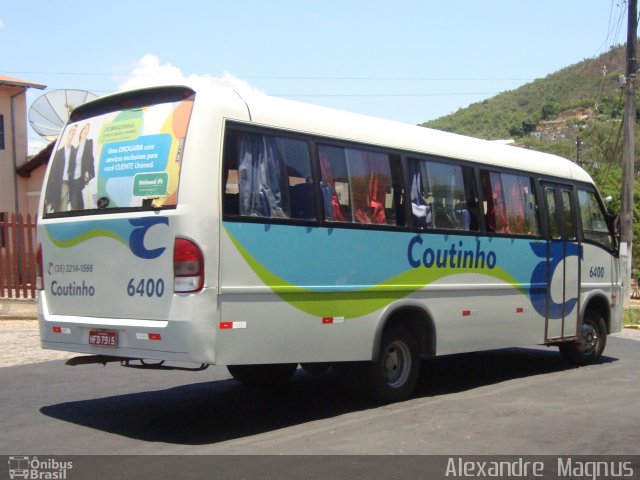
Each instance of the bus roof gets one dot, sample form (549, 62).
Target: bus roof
(302, 117)
(306, 118)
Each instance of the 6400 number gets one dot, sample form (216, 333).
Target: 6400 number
(145, 287)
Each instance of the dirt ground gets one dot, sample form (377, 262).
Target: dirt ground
(20, 344)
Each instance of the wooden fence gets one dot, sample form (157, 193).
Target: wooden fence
(17, 256)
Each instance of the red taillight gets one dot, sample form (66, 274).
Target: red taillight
(188, 267)
(39, 269)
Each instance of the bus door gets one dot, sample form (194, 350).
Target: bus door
(563, 263)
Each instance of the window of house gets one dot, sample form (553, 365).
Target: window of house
(1, 132)
(267, 176)
(442, 195)
(509, 203)
(2, 228)
(360, 186)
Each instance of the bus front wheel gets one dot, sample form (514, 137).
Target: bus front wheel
(588, 348)
(262, 374)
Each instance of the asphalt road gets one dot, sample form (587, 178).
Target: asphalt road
(513, 401)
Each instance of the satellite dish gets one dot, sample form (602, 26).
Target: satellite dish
(49, 112)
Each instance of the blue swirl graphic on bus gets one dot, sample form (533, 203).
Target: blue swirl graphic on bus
(130, 232)
(557, 252)
(136, 240)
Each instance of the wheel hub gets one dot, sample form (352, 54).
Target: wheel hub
(589, 338)
(396, 364)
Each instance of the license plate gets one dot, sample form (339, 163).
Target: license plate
(103, 338)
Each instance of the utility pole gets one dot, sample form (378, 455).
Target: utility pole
(579, 150)
(628, 152)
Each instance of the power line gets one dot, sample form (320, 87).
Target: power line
(611, 26)
(287, 77)
(434, 94)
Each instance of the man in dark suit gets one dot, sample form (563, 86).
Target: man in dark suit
(57, 194)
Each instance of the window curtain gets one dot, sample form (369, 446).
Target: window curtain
(496, 208)
(420, 209)
(369, 176)
(332, 208)
(517, 205)
(262, 182)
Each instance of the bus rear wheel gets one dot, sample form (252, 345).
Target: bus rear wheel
(587, 349)
(263, 374)
(393, 376)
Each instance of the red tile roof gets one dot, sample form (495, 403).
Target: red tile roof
(16, 82)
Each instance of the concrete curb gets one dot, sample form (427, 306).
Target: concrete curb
(18, 309)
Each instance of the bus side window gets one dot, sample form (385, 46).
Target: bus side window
(470, 206)
(442, 195)
(360, 186)
(370, 179)
(421, 201)
(567, 213)
(267, 176)
(395, 200)
(594, 225)
(554, 226)
(494, 207)
(334, 184)
(299, 179)
(230, 184)
(509, 203)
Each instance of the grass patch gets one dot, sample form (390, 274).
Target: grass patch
(631, 316)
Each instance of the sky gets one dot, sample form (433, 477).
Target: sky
(404, 60)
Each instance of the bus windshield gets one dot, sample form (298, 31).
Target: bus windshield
(119, 155)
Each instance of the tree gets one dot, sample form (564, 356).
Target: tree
(549, 110)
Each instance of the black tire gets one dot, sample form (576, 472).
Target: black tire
(588, 348)
(262, 374)
(315, 368)
(393, 376)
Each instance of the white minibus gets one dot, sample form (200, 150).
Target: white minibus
(213, 228)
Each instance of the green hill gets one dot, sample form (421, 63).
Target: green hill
(591, 85)
(580, 104)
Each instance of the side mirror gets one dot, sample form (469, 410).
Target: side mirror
(613, 222)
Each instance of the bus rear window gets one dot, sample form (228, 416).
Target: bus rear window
(120, 158)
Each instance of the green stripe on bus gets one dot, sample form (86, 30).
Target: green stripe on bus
(357, 303)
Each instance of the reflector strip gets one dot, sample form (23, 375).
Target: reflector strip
(466, 313)
(148, 336)
(520, 310)
(232, 325)
(332, 320)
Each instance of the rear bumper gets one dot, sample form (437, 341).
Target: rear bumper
(185, 339)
